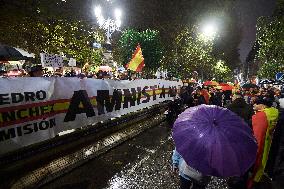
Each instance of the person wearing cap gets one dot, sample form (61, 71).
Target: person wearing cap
(263, 124)
(189, 177)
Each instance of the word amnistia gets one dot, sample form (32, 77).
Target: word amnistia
(80, 102)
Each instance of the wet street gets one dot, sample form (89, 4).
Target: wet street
(143, 162)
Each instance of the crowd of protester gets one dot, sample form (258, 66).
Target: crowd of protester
(257, 106)
(193, 96)
(262, 109)
(39, 71)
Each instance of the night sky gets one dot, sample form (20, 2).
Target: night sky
(249, 11)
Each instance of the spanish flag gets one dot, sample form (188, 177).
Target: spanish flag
(137, 61)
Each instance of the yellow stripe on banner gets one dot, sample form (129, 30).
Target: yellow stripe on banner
(20, 113)
(61, 106)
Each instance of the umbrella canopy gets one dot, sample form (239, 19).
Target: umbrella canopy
(210, 83)
(266, 81)
(214, 141)
(25, 53)
(226, 87)
(224, 84)
(278, 83)
(11, 53)
(249, 86)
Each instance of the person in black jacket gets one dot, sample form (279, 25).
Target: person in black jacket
(245, 111)
(216, 97)
(186, 96)
(241, 108)
(227, 97)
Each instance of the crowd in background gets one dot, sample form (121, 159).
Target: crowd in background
(192, 96)
(261, 108)
(39, 71)
(255, 105)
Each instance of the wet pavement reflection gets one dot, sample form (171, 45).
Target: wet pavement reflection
(143, 162)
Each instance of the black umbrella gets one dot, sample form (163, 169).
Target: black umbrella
(10, 53)
(249, 85)
(278, 83)
(266, 81)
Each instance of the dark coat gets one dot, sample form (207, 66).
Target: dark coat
(242, 109)
(216, 99)
(199, 99)
(187, 98)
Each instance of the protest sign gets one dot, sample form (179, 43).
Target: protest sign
(51, 60)
(36, 109)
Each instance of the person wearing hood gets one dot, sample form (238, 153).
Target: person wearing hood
(241, 108)
(189, 177)
(263, 124)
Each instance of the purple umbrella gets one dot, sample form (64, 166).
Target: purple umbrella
(214, 141)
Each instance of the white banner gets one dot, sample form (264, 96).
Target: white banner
(37, 109)
(51, 60)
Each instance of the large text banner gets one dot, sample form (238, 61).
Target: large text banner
(37, 109)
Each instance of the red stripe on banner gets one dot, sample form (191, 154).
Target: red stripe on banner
(25, 106)
(12, 108)
(6, 124)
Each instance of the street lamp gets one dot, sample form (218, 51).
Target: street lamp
(209, 31)
(109, 25)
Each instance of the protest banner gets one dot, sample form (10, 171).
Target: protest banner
(36, 109)
(51, 60)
